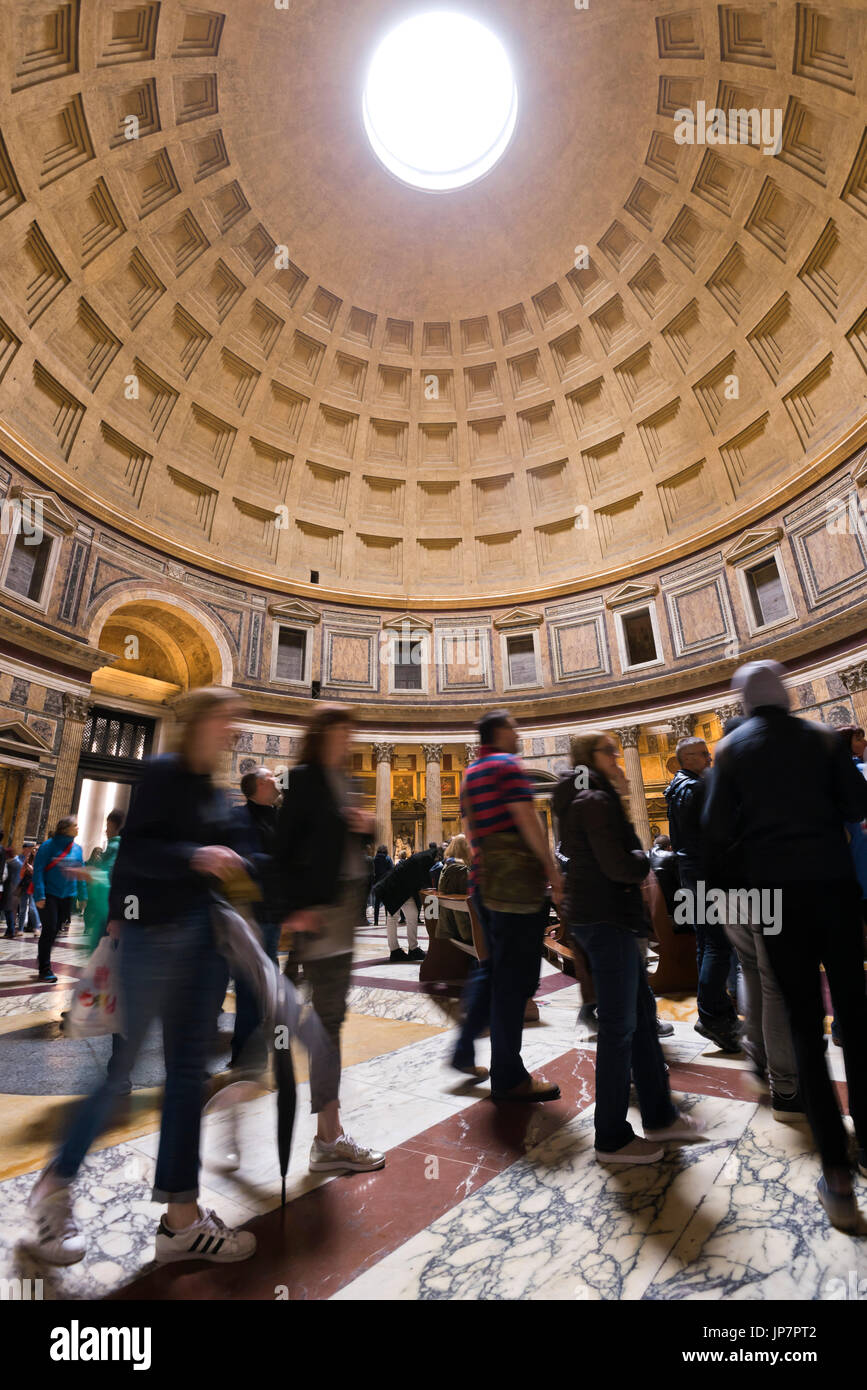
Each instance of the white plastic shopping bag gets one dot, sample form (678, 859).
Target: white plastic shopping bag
(95, 1006)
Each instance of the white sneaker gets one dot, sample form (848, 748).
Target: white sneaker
(683, 1129)
(58, 1240)
(344, 1155)
(209, 1238)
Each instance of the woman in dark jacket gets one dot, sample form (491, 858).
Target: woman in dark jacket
(603, 909)
(319, 857)
(382, 865)
(180, 838)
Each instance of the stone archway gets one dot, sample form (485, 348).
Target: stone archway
(163, 646)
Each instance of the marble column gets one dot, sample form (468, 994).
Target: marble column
(729, 711)
(433, 808)
(76, 709)
(383, 754)
(635, 777)
(854, 679)
(682, 725)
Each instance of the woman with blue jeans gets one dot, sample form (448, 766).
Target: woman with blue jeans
(603, 909)
(178, 839)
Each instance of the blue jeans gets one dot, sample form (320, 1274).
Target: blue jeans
(627, 1043)
(172, 973)
(27, 907)
(248, 1018)
(475, 1000)
(502, 987)
(714, 958)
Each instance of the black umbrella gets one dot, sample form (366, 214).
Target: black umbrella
(284, 1075)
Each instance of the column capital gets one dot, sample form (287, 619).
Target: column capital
(383, 752)
(471, 752)
(682, 725)
(730, 711)
(433, 752)
(76, 707)
(854, 678)
(629, 735)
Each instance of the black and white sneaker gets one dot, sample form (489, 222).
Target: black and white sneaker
(789, 1110)
(209, 1238)
(58, 1240)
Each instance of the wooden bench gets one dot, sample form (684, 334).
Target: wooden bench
(447, 960)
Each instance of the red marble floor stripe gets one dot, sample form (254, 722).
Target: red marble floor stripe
(59, 967)
(732, 1082)
(13, 991)
(325, 1238)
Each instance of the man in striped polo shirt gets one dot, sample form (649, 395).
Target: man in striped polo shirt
(512, 868)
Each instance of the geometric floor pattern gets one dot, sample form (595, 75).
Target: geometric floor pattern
(476, 1201)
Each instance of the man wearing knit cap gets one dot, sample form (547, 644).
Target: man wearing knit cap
(782, 791)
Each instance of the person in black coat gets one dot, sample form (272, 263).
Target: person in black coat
(382, 865)
(603, 909)
(402, 889)
(783, 790)
(319, 860)
(258, 818)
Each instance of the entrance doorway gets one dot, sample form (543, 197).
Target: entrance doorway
(95, 799)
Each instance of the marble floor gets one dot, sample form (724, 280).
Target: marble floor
(475, 1201)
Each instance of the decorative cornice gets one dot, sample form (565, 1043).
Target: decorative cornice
(77, 707)
(633, 592)
(53, 510)
(16, 732)
(410, 620)
(752, 541)
(295, 609)
(39, 640)
(518, 617)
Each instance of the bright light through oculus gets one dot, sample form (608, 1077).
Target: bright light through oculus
(440, 102)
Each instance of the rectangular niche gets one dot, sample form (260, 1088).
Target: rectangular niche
(781, 340)
(317, 547)
(481, 385)
(686, 496)
(325, 489)
(305, 356)
(57, 410)
(830, 563)
(665, 433)
(439, 561)
(335, 430)
(622, 524)
(382, 499)
(438, 503)
(539, 428)
(189, 502)
(498, 555)
(550, 485)
(590, 407)
(45, 42)
(436, 388)
(348, 375)
(387, 440)
(494, 499)
(570, 358)
(86, 345)
(755, 453)
(126, 465)
(560, 545)
(814, 404)
(254, 530)
(608, 463)
(267, 467)
(392, 386)
(260, 328)
(208, 438)
(380, 558)
(488, 439)
(438, 444)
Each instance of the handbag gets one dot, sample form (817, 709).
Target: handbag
(95, 1007)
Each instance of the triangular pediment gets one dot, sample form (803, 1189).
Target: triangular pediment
(408, 620)
(518, 617)
(15, 731)
(751, 541)
(631, 592)
(53, 510)
(294, 610)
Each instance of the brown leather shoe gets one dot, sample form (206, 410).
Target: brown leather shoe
(534, 1088)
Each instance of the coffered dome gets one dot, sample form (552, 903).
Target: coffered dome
(225, 325)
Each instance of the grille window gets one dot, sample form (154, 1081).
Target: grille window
(112, 735)
(639, 638)
(407, 665)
